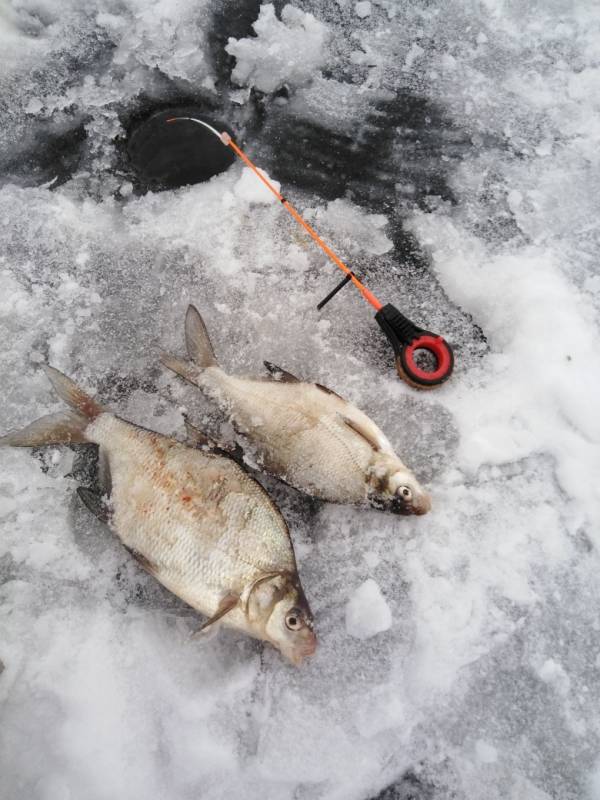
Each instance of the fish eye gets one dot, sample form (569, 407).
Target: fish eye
(405, 493)
(293, 619)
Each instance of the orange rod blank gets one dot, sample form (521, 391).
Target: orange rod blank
(227, 140)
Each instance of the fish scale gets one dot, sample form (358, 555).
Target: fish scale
(199, 549)
(289, 410)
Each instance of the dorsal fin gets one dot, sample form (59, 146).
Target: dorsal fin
(362, 432)
(328, 391)
(281, 375)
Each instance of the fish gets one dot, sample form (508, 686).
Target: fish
(303, 433)
(192, 518)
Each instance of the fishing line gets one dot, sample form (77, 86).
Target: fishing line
(405, 337)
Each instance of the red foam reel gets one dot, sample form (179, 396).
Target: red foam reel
(439, 349)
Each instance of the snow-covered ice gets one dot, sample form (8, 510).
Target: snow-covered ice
(451, 152)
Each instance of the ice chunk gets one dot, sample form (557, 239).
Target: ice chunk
(486, 752)
(290, 50)
(362, 9)
(554, 674)
(252, 190)
(159, 35)
(367, 612)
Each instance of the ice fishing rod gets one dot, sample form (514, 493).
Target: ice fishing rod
(405, 337)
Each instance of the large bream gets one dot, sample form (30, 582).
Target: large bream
(195, 520)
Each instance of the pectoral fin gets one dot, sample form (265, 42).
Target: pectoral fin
(94, 502)
(359, 429)
(227, 604)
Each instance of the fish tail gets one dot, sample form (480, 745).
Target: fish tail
(73, 396)
(181, 366)
(197, 340)
(65, 427)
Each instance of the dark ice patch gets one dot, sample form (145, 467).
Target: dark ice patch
(47, 152)
(415, 785)
(231, 18)
(400, 143)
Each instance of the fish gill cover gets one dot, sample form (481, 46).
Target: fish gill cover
(450, 152)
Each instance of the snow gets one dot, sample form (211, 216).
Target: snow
(367, 612)
(362, 9)
(450, 153)
(486, 752)
(294, 47)
(252, 190)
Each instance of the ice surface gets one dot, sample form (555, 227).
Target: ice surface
(451, 153)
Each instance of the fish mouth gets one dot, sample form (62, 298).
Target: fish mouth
(423, 506)
(407, 509)
(396, 506)
(420, 510)
(417, 505)
(302, 651)
(403, 509)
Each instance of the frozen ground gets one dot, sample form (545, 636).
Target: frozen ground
(450, 150)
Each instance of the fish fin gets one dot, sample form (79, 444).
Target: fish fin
(197, 438)
(94, 503)
(281, 375)
(206, 635)
(144, 562)
(362, 432)
(182, 367)
(327, 390)
(227, 604)
(73, 396)
(197, 340)
(104, 474)
(65, 427)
